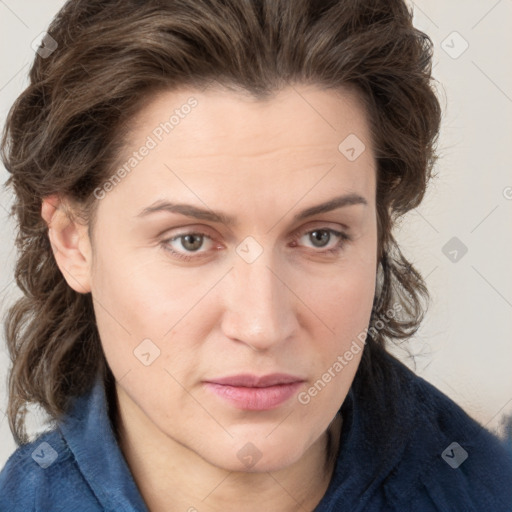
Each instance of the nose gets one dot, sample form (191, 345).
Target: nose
(260, 306)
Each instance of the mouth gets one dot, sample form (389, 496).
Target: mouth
(255, 393)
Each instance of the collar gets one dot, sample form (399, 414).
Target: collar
(89, 435)
(375, 437)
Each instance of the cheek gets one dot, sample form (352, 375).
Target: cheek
(343, 303)
(132, 290)
(138, 300)
(125, 305)
(343, 296)
(342, 308)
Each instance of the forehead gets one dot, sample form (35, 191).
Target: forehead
(206, 146)
(297, 116)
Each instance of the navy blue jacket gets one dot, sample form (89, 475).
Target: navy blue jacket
(419, 453)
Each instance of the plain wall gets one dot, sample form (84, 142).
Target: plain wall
(464, 345)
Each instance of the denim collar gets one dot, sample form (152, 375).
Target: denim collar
(89, 435)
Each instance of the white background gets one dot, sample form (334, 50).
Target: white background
(464, 346)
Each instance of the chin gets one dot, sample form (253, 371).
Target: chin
(258, 456)
(270, 463)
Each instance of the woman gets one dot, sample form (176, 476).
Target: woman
(206, 192)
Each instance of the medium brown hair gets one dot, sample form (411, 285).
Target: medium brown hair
(65, 133)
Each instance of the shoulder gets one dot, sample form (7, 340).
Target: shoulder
(449, 460)
(43, 475)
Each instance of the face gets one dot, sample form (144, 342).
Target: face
(220, 319)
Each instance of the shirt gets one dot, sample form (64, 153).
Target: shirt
(420, 453)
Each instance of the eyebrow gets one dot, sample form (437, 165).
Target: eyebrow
(189, 210)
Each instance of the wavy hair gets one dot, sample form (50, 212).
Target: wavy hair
(65, 132)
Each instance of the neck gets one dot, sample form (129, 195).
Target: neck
(172, 477)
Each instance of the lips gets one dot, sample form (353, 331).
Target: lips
(255, 393)
(248, 380)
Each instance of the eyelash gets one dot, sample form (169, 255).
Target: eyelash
(333, 251)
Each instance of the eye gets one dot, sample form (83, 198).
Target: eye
(187, 246)
(323, 237)
(190, 242)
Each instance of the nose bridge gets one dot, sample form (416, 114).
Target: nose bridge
(259, 310)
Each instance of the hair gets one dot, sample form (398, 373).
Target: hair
(65, 133)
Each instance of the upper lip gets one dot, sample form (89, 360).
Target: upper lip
(254, 381)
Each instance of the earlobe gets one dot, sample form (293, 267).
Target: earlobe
(70, 243)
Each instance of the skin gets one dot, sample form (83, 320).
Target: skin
(294, 309)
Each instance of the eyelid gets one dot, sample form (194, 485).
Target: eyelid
(173, 233)
(341, 234)
(319, 225)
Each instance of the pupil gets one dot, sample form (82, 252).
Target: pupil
(193, 246)
(324, 236)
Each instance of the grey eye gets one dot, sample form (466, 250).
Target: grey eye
(323, 238)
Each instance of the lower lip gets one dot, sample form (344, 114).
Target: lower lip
(255, 399)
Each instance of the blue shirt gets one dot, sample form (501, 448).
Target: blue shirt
(421, 453)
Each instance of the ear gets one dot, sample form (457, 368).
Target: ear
(70, 243)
